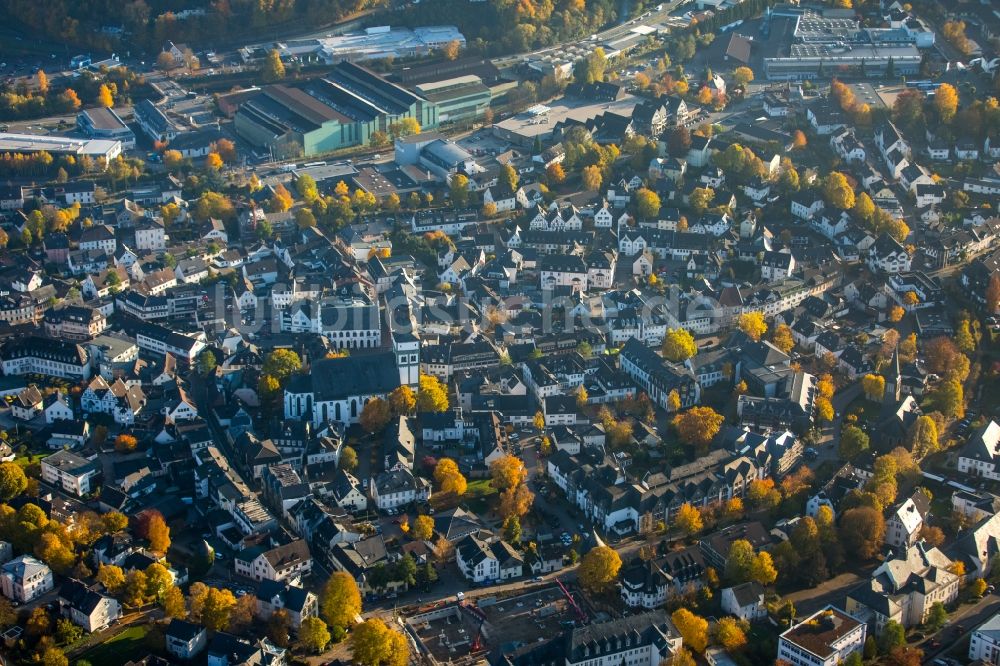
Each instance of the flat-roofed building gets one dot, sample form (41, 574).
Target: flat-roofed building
(825, 638)
(27, 144)
(830, 45)
(103, 123)
(461, 98)
(385, 41)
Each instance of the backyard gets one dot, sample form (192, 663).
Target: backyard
(125, 646)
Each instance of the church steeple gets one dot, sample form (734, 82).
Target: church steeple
(893, 378)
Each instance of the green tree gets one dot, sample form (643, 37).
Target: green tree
(281, 363)
(853, 442)
(937, 617)
(893, 635)
(206, 362)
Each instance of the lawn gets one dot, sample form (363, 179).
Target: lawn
(29, 459)
(477, 495)
(126, 646)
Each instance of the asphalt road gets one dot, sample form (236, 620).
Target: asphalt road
(960, 625)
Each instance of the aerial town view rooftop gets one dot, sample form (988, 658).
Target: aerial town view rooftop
(489, 333)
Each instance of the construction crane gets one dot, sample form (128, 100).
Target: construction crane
(580, 615)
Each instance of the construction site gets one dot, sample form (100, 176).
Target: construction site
(465, 632)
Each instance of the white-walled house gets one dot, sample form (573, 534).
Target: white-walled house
(482, 562)
(24, 579)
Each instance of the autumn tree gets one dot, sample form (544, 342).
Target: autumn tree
(404, 127)
(862, 531)
(515, 501)
(730, 635)
(278, 627)
(373, 643)
(452, 49)
(554, 174)
(692, 628)
(946, 102)
(104, 97)
(701, 198)
(158, 532)
(173, 603)
(679, 141)
(679, 345)
(837, 191)
(423, 528)
(599, 569)
(13, 481)
(922, 437)
(218, 606)
(111, 577)
(673, 401)
(507, 472)
(698, 426)
(949, 398)
(125, 443)
(688, 519)
(781, 338)
(348, 459)
(281, 199)
(762, 495)
(432, 395)
(592, 178)
(647, 203)
(314, 635)
(993, 293)
(340, 600)
(752, 324)
(272, 68)
(158, 581)
(375, 416)
(742, 76)
(873, 386)
(213, 162)
(449, 478)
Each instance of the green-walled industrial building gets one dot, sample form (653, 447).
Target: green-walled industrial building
(337, 111)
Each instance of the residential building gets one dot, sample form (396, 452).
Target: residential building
(185, 640)
(904, 587)
(283, 563)
(825, 638)
(87, 608)
(24, 579)
(984, 644)
(299, 603)
(70, 472)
